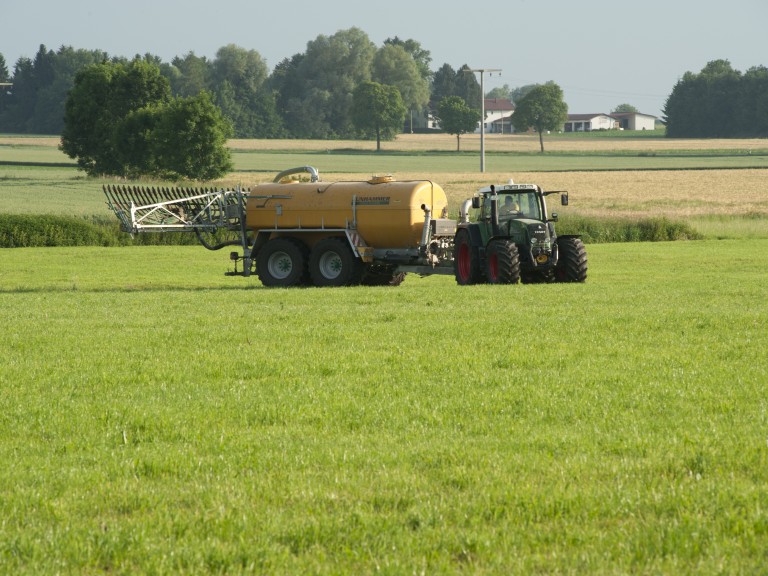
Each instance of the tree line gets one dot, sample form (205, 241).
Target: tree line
(312, 94)
(719, 102)
(309, 95)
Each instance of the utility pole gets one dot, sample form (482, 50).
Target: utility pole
(482, 111)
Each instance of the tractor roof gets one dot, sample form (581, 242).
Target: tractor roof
(501, 188)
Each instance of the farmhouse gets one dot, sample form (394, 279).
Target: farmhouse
(589, 122)
(498, 115)
(616, 121)
(635, 121)
(499, 111)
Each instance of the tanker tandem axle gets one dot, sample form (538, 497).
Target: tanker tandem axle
(294, 233)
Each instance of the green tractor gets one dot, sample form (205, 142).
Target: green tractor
(513, 240)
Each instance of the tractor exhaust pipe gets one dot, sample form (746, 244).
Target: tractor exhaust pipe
(494, 211)
(425, 232)
(464, 210)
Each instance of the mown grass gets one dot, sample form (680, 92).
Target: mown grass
(438, 153)
(715, 203)
(341, 162)
(157, 417)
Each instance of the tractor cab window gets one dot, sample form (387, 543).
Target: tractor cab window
(518, 205)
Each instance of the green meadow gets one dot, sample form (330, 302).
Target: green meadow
(442, 156)
(157, 417)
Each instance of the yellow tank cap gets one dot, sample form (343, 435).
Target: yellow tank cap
(376, 179)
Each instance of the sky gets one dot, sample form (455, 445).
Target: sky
(602, 53)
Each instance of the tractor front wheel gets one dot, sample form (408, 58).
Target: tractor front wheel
(502, 262)
(572, 260)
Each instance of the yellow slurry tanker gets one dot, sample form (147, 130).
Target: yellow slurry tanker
(294, 233)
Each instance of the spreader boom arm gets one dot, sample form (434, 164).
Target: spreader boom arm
(142, 209)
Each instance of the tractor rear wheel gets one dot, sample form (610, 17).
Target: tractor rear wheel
(282, 262)
(502, 262)
(466, 263)
(572, 260)
(332, 263)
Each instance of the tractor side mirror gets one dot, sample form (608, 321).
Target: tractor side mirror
(475, 202)
(564, 199)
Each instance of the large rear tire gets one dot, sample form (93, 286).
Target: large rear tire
(572, 260)
(502, 262)
(466, 262)
(282, 262)
(332, 263)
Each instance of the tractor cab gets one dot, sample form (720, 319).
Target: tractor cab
(514, 201)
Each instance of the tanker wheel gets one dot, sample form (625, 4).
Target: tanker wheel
(572, 260)
(332, 263)
(466, 265)
(282, 263)
(502, 262)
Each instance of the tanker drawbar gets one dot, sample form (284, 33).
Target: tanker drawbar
(298, 231)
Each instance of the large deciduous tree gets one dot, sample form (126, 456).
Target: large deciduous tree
(378, 110)
(120, 120)
(624, 108)
(520, 92)
(103, 95)
(393, 66)
(500, 92)
(542, 109)
(456, 117)
(420, 56)
(189, 140)
(238, 82)
(193, 75)
(322, 83)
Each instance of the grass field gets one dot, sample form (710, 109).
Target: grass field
(627, 177)
(158, 417)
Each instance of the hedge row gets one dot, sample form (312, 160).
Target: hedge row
(27, 231)
(603, 230)
(20, 231)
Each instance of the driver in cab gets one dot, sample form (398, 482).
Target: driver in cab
(510, 208)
